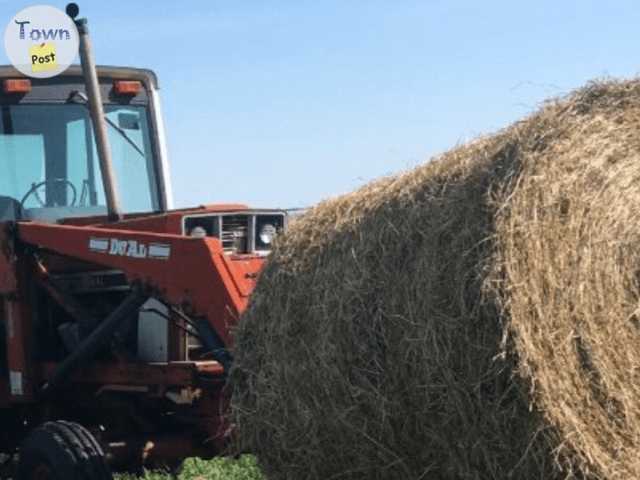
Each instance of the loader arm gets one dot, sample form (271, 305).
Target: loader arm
(190, 273)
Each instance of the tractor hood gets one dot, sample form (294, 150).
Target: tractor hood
(240, 229)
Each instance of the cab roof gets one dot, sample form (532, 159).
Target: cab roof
(125, 73)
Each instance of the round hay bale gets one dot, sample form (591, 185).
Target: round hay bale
(472, 318)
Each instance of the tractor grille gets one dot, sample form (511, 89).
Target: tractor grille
(248, 231)
(235, 233)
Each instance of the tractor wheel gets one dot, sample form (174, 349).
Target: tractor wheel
(62, 451)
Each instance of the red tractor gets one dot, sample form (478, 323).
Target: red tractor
(116, 310)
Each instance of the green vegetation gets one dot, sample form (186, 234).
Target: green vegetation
(246, 468)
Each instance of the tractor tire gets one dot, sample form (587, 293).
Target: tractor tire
(62, 451)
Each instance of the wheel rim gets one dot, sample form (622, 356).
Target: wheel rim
(42, 472)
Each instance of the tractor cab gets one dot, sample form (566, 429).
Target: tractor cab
(50, 169)
(49, 165)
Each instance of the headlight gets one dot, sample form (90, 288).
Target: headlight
(267, 233)
(198, 232)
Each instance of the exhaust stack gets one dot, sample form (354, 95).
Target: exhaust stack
(111, 191)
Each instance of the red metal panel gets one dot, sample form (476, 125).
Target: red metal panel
(246, 267)
(17, 316)
(209, 368)
(196, 276)
(170, 374)
(170, 222)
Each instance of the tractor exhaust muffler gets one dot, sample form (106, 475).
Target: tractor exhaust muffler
(111, 191)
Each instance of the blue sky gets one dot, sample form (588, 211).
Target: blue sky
(284, 103)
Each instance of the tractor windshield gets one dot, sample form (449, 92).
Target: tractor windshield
(49, 160)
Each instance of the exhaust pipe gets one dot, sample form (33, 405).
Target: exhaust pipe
(111, 191)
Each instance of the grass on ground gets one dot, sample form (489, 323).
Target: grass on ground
(246, 468)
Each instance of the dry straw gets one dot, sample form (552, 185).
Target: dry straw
(472, 318)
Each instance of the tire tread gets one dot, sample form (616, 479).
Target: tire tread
(68, 448)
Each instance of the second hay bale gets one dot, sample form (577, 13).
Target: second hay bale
(471, 318)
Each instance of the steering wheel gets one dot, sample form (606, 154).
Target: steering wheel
(36, 186)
